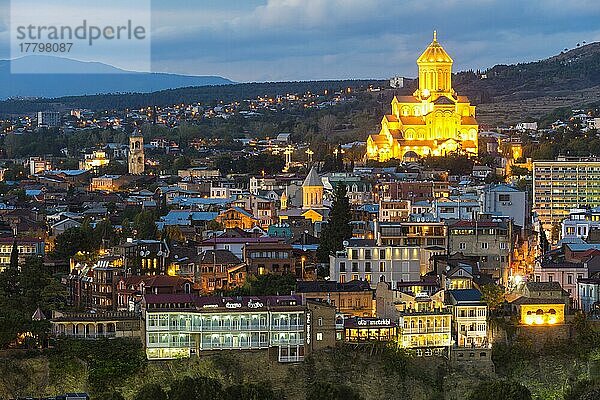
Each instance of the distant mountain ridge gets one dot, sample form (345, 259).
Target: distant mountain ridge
(66, 77)
(569, 78)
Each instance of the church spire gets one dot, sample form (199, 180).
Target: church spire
(435, 35)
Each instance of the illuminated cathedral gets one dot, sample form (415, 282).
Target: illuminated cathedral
(434, 121)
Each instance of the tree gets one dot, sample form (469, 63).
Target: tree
(105, 234)
(9, 278)
(198, 388)
(329, 391)
(498, 389)
(251, 391)
(492, 295)
(338, 226)
(327, 124)
(144, 225)
(151, 391)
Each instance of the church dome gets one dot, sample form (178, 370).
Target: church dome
(434, 53)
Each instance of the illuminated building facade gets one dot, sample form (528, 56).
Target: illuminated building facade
(559, 186)
(369, 329)
(434, 121)
(184, 325)
(362, 260)
(469, 318)
(539, 312)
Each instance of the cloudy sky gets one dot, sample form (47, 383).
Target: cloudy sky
(260, 40)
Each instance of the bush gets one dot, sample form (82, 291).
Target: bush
(505, 390)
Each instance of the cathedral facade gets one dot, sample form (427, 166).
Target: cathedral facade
(434, 121)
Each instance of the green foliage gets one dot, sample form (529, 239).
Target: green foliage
(21, 293)
(330, 391)
(338, 226)
(107, 360)
(151, 391)
(144, 225)
(267, 285)
(76, 239)
(515, 170)
(498, 389)
(251, 391)
(455, 164)
(492, 295)
(583, 390)
(255, 164)
(199, 388)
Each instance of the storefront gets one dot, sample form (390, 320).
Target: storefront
(369, 329)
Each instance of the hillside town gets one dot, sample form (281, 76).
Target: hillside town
(437, 236)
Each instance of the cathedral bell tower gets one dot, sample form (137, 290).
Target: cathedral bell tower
(136, 154)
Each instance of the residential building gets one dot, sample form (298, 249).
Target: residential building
(413, 190)
(26, 247)
(469, 318)
(363, 260)
(506, 201)
(354, 298)
(394, 210)
(491, 240)
(48, 119)
(270, 258)
(219, 271)
(579, 223)
(456, 207)
(562, 185)
(589, 293)
(425, 232)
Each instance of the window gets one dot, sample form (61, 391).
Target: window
(342, 266)
(367, 254)
(382, 267)
(570, 279)
(320, 321)
(354, 254)
(319, 336)
(354, 267)
(504, 197)
(462, 246)
(502, 245)
(550, 278)
(484, 245)
(382, 254)
(367, 266)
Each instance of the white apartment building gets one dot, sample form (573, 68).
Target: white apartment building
(363, 260)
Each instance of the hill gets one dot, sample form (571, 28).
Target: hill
(512, 93)
(65, 77)
(205, 94)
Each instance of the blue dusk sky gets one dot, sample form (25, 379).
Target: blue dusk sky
(266, 40)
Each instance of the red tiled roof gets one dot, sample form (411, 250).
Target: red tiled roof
(468, 120)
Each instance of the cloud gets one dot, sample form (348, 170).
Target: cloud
(255, 40)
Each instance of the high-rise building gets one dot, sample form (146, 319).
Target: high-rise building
(435, 120)
(136, 154)
(48, 118)
(561, 185)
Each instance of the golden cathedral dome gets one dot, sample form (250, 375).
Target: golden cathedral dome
(434, 53)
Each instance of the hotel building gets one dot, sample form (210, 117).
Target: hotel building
(184, 325)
